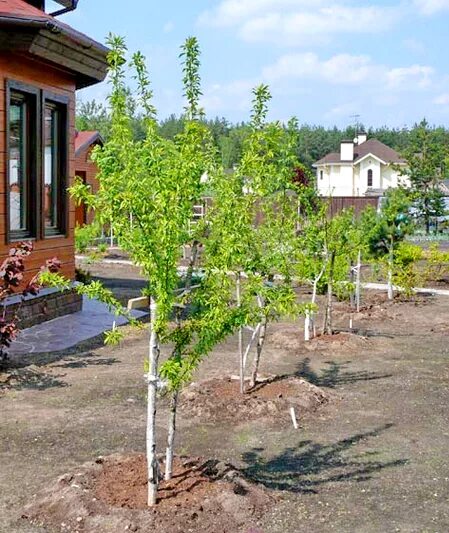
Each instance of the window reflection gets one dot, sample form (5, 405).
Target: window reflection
(17, 166)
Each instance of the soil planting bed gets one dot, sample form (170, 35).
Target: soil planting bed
(110, 496)
(220, 400)
(292, 339)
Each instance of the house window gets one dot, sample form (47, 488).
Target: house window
(37, 148)
(21, 170)
(54, 190)
(321, 174)
(370, 178)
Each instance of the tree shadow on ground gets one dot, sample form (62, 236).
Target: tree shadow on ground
(27, 378)
(334, 374)
(89, 360)
(310, 465)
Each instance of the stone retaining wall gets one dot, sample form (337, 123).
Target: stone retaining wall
(48, 304)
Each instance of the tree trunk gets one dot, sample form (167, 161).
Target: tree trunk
(171, 436)
(358, 281)
(352, 282)
(153, 465)
(259, 348)
(307, 325)
(309, 320)
(327, 327)
(192, 261)
(240, 336)
(390, 273)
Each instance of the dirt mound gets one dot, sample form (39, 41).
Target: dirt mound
(349, 341)
(110, 496)
(292, 339)
(220, 400)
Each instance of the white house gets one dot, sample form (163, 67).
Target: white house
(362, 168)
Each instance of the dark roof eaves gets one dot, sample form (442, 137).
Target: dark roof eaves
(48, 23)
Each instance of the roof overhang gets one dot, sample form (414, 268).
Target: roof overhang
(52, 41)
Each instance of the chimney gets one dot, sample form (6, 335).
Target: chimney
(361, 138)
(347, 151)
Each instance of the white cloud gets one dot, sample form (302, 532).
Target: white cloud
(418, 76)
(339, 69)
(299, 22)
(347, 69)
(231, 12)
(430, 7)
(442, 99)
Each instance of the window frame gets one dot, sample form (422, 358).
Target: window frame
(30, 94)
(370, 178)
(61, 103)
(35, 162)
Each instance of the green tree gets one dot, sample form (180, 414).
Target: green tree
(386, 229)
(147, 189)
(253, 225)
(93, 116)
(427, 157)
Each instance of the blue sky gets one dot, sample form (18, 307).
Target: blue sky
(325, 60)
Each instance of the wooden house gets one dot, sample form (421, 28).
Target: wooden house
(43, 61)
(86, 170)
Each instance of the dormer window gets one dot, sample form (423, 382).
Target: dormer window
(370, 178)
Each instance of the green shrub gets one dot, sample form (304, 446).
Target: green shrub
(85, 236)
(406, 274)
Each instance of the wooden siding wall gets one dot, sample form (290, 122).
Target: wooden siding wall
(41, 75)
(84, 163)
(358, 203)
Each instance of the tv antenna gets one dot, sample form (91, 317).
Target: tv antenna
(356, 120)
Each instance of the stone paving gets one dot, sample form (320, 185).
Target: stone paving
(67, 331)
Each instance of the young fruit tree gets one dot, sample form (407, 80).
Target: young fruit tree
(253, 226)
(325, 245)
(158, 182)
(386, 229)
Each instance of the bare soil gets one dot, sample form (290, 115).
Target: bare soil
(110, 495)
(374, 462)
(220, 400)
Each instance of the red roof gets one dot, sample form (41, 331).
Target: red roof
(20, 8)
(83, 139)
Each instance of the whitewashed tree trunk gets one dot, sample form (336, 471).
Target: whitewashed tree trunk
(171, 436)
(352, 282)
(259, 349)
(307, 325)
(153, 377)
(240, 339)
(358, 285)
(250, 344)
(327, 327)
(309, 319)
